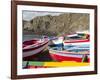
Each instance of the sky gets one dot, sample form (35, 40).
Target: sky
(29, 15)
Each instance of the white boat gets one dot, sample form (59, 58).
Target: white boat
(32, 47)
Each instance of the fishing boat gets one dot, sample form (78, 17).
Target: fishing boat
(78, 55)
(34, 46)
(78, 39)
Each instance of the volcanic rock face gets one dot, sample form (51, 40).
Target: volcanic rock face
(57, 25)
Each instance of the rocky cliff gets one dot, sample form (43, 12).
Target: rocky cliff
(57, 25)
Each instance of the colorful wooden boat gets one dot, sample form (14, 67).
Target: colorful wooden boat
(78, 39)
(67, 55)
(34, 46)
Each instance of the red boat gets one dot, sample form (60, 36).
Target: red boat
(65, 55)
(34, 46)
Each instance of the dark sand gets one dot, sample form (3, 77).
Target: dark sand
(43, 56)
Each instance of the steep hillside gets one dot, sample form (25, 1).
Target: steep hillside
(57, 25)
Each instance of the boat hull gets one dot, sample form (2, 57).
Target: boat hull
(32, 51)
(59, 56)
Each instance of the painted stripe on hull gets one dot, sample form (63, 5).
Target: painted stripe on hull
(35, 44)
(68, 54)
(39, 46)
(76, 41)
